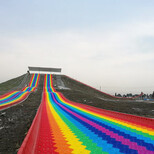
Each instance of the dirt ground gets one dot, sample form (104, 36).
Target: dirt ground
(16, 121)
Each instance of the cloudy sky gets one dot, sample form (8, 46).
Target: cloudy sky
(107, 43)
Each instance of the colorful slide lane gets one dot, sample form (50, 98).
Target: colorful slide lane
(15, 97)
(62, 126)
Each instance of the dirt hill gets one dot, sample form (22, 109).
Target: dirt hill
(15, 121)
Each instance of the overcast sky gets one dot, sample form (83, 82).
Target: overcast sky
(107, 43)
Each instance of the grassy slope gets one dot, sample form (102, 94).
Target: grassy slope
(12, 84)
(86, 95)
(77, 86)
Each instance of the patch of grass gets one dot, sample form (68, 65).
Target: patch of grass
(8, 85)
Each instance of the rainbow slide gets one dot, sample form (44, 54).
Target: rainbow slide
(62, 126)
(15, 97)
